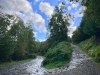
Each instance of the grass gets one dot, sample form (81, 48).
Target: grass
(10, 63)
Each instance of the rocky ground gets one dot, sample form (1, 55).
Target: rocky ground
(29, 68)
(80, 64)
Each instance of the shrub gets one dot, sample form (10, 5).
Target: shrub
(97, 54)
(61, 52)
(30, 55)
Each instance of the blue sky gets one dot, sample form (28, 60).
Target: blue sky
(40, 11)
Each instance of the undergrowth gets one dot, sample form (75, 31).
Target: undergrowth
(10, 63)
(58, 55)
(92, 47)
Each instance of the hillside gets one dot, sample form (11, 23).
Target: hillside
(91, 47)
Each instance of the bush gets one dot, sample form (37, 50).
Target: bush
(31, 55)
(61, 52)
(6, 48)
(97, 54)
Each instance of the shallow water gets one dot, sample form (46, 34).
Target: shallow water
(77, 57)
(29, 68)
(34, 67)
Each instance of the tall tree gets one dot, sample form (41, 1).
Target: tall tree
(58, 23)
(24, 39)
(6, 42)
(90, 24)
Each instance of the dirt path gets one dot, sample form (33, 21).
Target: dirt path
(80, 64)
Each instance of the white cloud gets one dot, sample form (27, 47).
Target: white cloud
(69, 8)
(41, 40)
(67, 1)
(71, 28)
(39, 23)
(37, 0)
(24, 9)
(16, 5)
(74, 4)
(35, 33)
(80, 12)
(46, 8)
(76, 14)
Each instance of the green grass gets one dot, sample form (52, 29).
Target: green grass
(10, 63)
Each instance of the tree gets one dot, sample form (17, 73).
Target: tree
(79, 35)
(90, 24)
(58, 24)
(6, 48)
(6, 42)
(24, 39)
(91, 18)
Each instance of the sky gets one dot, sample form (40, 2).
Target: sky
(40, 11)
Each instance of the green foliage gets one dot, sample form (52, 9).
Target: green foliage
(58, 24)
(90, 24)
(31, 55)
(6, 42)
(42, 47)
(6, 48)
(91, 47)
(79, 35)
(92, 13)
(59, 53)
(23, 38)
(16, 40)
(97, 54)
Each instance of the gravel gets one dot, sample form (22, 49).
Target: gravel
(80, 64)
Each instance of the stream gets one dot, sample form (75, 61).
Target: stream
(34, 67)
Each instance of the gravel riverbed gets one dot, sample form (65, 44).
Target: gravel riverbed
(80, 64)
